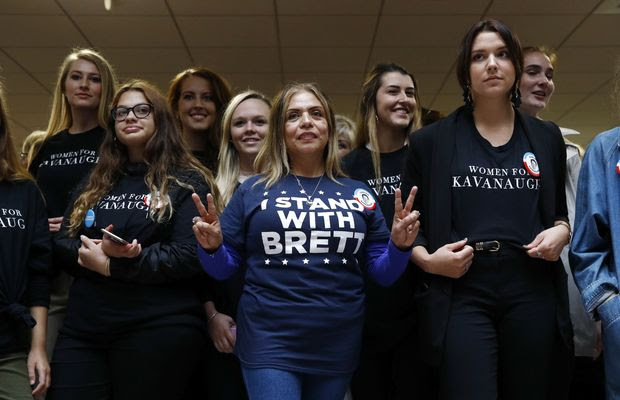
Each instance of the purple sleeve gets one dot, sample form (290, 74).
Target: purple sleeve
(386, 262)
(220, 265)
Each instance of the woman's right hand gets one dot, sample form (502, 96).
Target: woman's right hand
(54, 223)
(207, 227)
(451, 260)
(220, 330)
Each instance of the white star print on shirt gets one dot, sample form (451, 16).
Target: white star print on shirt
(344, 260)
(305, 260)
(326, 260)
(284, 262)
(267, 262)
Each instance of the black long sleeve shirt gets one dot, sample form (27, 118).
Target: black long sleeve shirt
(25, 258)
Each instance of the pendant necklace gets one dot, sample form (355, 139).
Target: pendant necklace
(303, 191)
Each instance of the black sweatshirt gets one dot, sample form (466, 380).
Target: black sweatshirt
(162, 286)
(61, 163)
(25, 257)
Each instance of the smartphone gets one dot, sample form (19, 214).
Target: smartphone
(114, 238)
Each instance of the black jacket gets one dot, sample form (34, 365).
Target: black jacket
(162, 286)
(25, 258)
(428, 166)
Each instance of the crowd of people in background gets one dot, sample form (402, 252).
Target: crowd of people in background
(218, 245)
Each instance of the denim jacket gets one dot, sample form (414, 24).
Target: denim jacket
(596, 237)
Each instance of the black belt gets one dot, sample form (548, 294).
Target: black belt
(493, 246)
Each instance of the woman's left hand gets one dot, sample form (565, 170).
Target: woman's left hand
(38, 371)
(405, 226)
(91, 256)
(549, 243)
(113, 249)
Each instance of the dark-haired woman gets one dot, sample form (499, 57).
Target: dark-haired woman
(135, 323)
(25, 259)
(494, 223)
(389, 111)
(197, 97)
(70, 148)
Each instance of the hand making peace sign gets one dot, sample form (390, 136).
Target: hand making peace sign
(405, 225)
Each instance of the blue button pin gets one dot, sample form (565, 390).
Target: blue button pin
(89, 219)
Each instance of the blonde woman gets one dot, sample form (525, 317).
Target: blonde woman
(244, 126)
(31, 146)
(345, 129)
(389, 111)
(305, 234)
(84, 89)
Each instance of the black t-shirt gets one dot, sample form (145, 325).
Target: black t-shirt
(389, 315)
(358, 165)
(495, 190)
(62, 162)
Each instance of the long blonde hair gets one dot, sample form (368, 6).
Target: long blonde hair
(228, 168)
(31, 145)
(60, 116)
(272, 160)
(367, 120)
(10, 167)
(164, 153)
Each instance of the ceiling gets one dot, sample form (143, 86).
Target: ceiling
(263, 44)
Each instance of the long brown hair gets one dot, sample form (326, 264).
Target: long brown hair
(10, 167)
(272, 160)
(164, 154)
(222, 95)
(367, 120)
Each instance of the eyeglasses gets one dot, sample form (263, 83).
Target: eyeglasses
(140, 111)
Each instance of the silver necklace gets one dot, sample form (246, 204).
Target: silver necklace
(303, 191)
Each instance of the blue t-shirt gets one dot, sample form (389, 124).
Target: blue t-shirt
(303, 301)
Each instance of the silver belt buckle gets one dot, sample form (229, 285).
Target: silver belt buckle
(485, 246)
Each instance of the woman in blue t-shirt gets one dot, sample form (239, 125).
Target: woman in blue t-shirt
(305, 233)
(491, 179)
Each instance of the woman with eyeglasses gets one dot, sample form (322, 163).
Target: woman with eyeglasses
(70, 148)
(135, 325)
(197, 97)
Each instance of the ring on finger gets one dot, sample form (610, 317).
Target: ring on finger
(195, 220)
(538, 254)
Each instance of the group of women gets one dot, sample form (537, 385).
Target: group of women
(321, 272)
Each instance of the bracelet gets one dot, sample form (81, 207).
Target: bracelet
(212, 316)
(567, 225)
(106, 269)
